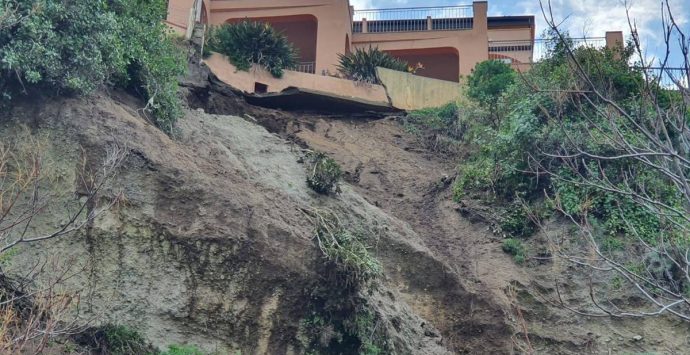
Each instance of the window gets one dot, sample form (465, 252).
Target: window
(260, 88)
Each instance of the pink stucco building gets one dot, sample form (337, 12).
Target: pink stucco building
(447, 41)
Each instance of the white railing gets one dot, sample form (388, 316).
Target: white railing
(306, 67)
(413, 19)
(539, 48)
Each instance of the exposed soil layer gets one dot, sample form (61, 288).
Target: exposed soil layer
(212, 246)
(477, 292)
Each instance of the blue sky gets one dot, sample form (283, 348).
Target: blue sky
(590, 18)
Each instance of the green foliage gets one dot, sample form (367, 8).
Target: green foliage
(515, 248)
(361, 64)
(340, 333)
(121, 340)
(346, 250)
(508, 159)
(517, 222)
(324, 174)
(340, 320)
(441, 117)
(78, 46)
(183, 350)
(246, 43)
(488, 81)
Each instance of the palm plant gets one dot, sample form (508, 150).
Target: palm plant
(246, 43)
(361, 64)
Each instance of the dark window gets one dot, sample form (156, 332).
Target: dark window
(260, 88)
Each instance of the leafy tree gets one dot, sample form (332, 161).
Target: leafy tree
(488, 81)
(361, 64)
(246, 43)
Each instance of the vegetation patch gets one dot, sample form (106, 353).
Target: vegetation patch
(247, 42)
(515, 248)
(487, 83)
(75, 47)
(585, 138)
(324, 173)
(183, 350)
(340, 320)
(122, 340)
(440, 128)
(513, 145)
(360, 65)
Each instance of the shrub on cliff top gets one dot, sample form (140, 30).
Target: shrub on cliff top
(246, 43)
(74, 47)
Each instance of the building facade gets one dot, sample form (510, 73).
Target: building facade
(447, 41)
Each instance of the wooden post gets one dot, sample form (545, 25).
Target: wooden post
(429, 23)
(365, 28)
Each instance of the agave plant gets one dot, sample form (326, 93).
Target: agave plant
(246, 43)
(361, 64)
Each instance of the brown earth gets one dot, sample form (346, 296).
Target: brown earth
(212, 247)
(395, 171)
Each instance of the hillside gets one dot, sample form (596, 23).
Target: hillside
(213, 242)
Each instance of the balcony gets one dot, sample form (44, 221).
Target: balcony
(448, 18)
(526, 51)
(306, 67)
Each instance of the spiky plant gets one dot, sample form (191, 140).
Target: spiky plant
(246, 43)
(324, 174)
(361, 64)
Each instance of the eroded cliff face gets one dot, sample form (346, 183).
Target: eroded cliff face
(210, 244)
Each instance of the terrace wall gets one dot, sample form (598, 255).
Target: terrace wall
(258, 78)
(412, 92)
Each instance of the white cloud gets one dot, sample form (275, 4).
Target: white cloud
(361, 4)
(592, 18)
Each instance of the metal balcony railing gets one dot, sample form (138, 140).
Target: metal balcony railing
(538, 49)
(306, 67)
(413, 19)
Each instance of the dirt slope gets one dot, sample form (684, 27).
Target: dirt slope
(212, 247)
(484, 296)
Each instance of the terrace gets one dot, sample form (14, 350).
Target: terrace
(447, 18)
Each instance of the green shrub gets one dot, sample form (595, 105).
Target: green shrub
(516, 157)
(75, 47)
(440, 128)
(183, 350)
(515, 248)
(340, 320)
(361, 64)
(121, 340)
(246, 43)
(516, 221)
(346, 249)
(440, 117)
(488, 81)
(324, 174)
